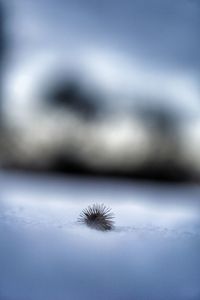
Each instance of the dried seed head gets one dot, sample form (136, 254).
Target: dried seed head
(97, 216)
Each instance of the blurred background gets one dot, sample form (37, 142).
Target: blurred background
(101, 88)
(99, 102)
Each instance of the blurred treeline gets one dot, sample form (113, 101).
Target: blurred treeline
(73, 131)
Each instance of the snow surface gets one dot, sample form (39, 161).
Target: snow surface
(152, 254)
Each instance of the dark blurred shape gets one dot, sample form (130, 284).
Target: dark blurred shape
(71, 96)
(164, 163)
(159, 118)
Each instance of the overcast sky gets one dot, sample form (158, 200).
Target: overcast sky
(154, 35)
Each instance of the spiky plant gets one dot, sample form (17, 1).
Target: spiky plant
(97, 216)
